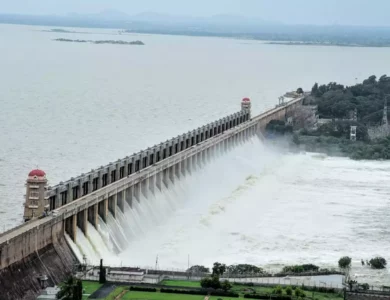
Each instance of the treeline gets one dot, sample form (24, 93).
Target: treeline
(337, 101)
(232, 270)
(360, 105)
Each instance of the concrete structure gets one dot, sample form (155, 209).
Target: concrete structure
(36, 202)
(84, 198)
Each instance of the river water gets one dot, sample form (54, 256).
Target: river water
(69, 107)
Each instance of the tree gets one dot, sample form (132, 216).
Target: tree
(226, 285)
(218, 269)
(242, 269)
(198, 269)
(299, 293)
(277, 290)
(210, 282)
(345, 262)
(71, 289)
(299, 91)
(378, 262)
(289, 290)
(314, 89)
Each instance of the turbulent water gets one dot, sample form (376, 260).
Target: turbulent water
(266, 208)
(69, 108)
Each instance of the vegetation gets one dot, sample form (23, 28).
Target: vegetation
(360, 105)
(117, 291)
(71, 289)
(101, 42)
(218, 269)
(160, 296)
(181, 283)
(300, 268)
(243, 269)
(210, 282)
(142, 289)
(345, 262)
(198, 269)
(89, 287)
(378, 263)
(237, 290)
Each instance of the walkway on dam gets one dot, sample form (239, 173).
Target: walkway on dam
(103, 193)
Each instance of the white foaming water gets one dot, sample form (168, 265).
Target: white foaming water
(255, 205)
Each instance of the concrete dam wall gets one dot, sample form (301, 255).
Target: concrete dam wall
(91, 203)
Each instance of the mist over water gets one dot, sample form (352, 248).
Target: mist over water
(261, 206)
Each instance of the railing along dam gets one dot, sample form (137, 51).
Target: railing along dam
(90, 197)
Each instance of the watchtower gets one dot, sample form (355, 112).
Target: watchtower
(36, 204)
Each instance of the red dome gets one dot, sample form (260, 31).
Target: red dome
(246, 99)
(36, 172)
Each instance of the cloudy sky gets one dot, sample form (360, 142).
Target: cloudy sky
(348, 12)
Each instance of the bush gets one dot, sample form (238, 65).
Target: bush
(220, 293)
(142, 289)
(378, 263)
(217, 293)
(186, 292)
(300, 268)
(243, 269)
(299, 293)
(345, 262)
(226, 285)
(289, 290)
(277, 290)
(254, 296)
(210, 282)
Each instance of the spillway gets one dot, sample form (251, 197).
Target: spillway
(222, 177)
(261, 206)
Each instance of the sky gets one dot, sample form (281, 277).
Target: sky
(319, 12)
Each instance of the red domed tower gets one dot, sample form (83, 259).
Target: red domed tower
(246, 105)
(36, 204)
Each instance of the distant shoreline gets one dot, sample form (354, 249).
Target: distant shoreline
(112, 42)
(326, 44)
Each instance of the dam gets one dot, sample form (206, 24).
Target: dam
(62, 219)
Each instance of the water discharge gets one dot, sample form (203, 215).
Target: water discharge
(255, 205)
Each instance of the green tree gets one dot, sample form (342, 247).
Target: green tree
(345, 262)
(299, 293)
(210, 282)
(289, 290)
(299, 91)
(314, 90)
(198, 269)
(226, 285)
(218, 269)
(71, 289)
(277, 290)
(378, 263)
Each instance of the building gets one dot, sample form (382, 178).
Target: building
(36, 204)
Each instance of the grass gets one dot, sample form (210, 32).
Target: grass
(90, 287)
(242, 289)
(116, 292)
(159, 296)
(181, 283)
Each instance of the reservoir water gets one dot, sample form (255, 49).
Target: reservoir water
(70, 107)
